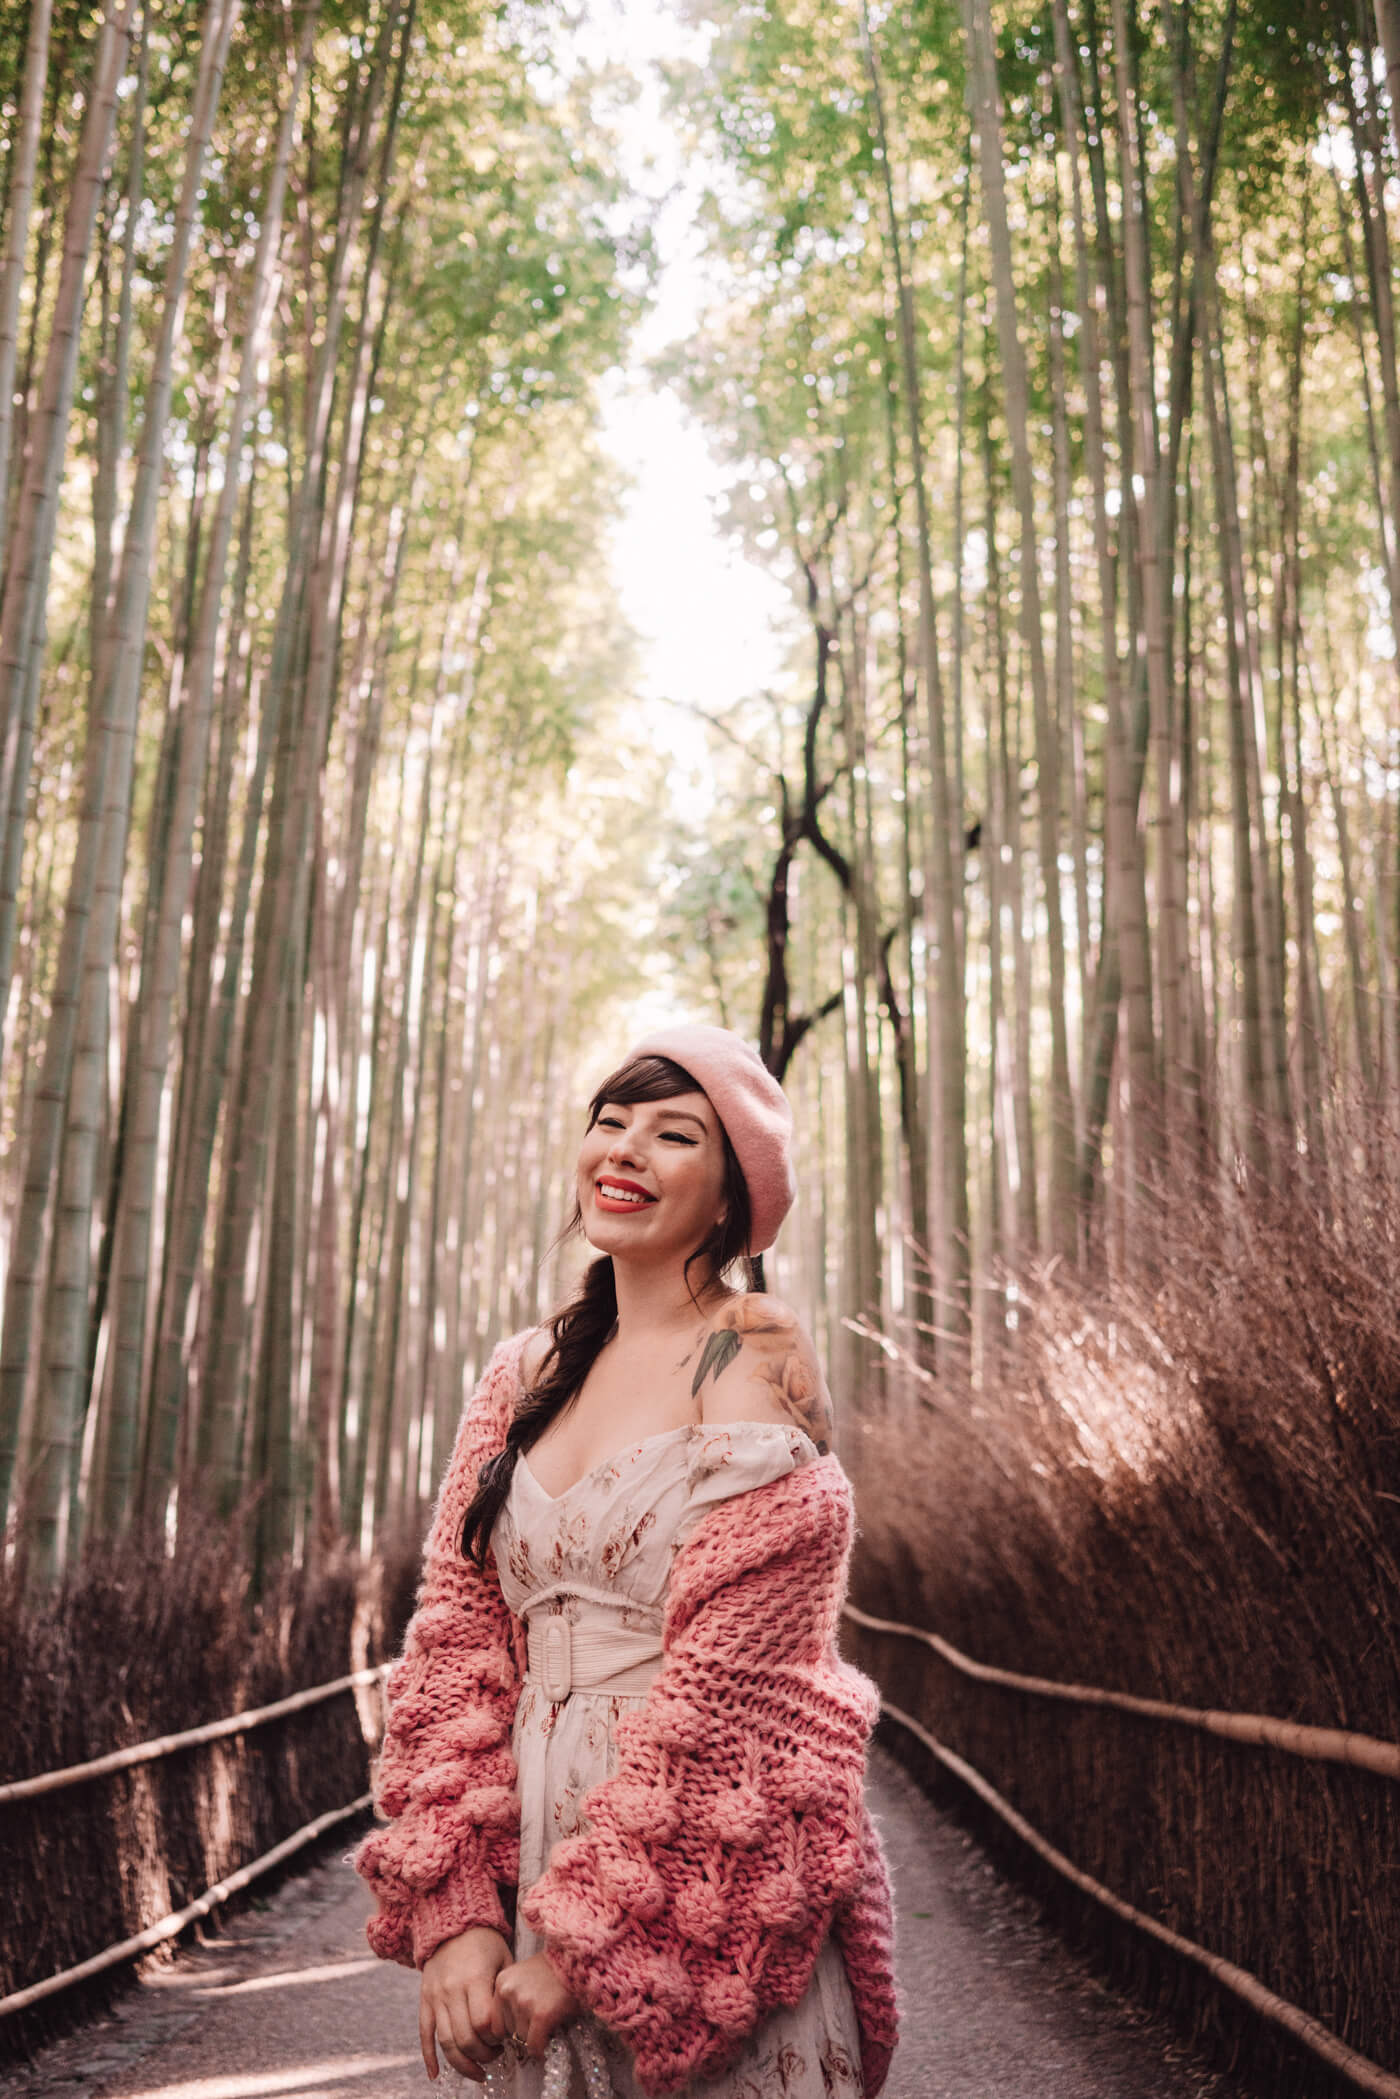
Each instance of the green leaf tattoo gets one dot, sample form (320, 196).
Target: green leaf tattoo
(718, 1353)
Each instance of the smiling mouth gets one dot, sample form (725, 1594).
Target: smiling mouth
(618, 1194)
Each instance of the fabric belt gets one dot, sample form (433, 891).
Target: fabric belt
(593, 1655)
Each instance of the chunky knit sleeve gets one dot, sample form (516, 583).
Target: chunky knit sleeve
(446, 1777)
(733, 1833)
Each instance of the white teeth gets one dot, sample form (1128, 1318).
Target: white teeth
(620, 1195)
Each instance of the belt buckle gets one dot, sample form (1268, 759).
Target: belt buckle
(556, 1659)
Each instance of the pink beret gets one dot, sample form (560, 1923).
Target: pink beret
(753, 1108)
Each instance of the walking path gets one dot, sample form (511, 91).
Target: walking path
(285, 2002)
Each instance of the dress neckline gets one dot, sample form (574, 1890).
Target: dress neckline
(665, 1435)
(662, 1436)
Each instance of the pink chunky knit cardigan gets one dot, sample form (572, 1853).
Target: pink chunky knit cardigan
(733, 1835)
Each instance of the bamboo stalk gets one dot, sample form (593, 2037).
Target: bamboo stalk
(22, 631)
(318, 537)
(946, 903)
(984, 98)
(18, 204)
(96, 901)
(30, 542)
(149, 1055)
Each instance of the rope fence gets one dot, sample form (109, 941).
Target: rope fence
(1313, 1743)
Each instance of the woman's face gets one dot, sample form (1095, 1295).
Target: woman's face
(651, 1177)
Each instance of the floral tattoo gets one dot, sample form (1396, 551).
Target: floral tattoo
(767, 1334)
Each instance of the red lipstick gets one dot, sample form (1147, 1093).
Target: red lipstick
(637, 1197)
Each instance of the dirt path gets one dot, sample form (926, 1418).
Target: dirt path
(285, 2003)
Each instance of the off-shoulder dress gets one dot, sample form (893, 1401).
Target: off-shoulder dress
(598, 1557)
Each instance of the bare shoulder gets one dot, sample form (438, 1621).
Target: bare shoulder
(757, 1363)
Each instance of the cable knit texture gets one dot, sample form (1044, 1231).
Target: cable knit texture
(446, 1776)
(733, 1835)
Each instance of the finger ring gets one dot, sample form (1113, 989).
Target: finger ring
(516, 2046)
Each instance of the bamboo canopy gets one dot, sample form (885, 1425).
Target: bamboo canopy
(1052, 367)
(1047, 361)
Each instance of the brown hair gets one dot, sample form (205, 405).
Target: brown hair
(580, 1326)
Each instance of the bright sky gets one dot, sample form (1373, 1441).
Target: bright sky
(713, 627)
(711, 622)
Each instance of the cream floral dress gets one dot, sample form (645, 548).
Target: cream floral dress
(611, 1538)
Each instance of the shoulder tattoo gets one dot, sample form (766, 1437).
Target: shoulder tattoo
(768, 1336)
(719, 1352)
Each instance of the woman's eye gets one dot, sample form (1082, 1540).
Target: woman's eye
(676, 1137)
(609, 1122)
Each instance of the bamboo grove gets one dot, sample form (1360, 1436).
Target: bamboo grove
(1054, 356)
(1052, 351)
(303, 610)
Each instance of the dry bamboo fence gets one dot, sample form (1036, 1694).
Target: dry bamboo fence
(1359, 1752)
(143, 1827)
(1313, 1744)
(154, 1751)
(167, 1927)
(189, 1738)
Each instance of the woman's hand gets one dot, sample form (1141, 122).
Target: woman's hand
(534, 2000)
(457, 2008)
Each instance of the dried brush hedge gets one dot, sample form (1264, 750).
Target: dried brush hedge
(1185, 1485)
(137, 1644)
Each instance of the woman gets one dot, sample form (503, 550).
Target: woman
(620, 1689)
